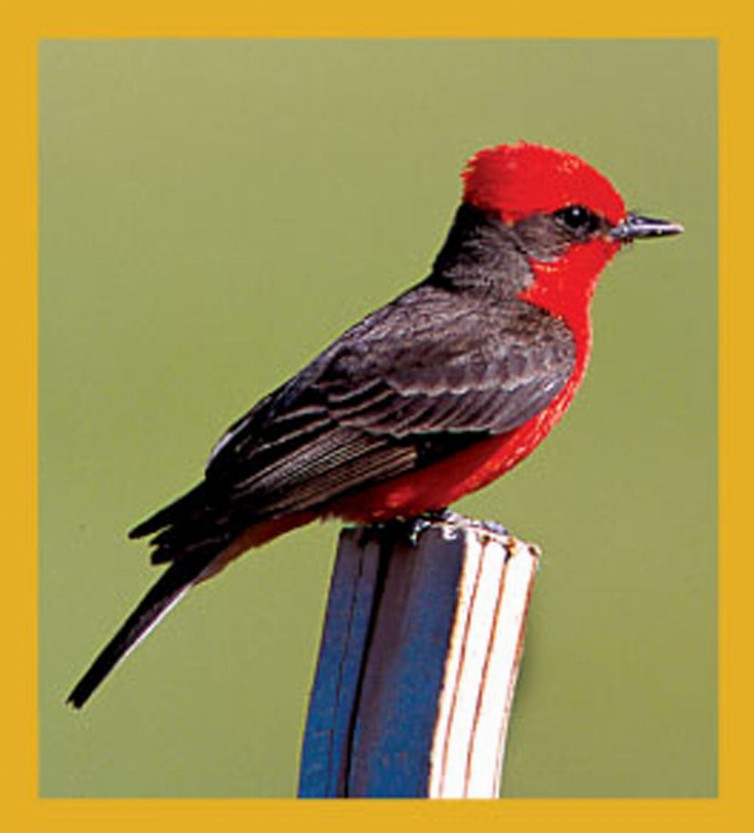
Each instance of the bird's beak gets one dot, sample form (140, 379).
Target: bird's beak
(635, 227)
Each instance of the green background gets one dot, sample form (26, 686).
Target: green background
(212, 214)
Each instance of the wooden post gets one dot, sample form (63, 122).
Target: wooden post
(418, 663)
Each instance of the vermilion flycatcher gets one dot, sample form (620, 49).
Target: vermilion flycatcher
(428, 398)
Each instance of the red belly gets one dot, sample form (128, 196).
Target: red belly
(440, 484)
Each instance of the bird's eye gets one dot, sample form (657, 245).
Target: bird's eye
(578, 219)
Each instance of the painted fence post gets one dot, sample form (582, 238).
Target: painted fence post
(418, 663)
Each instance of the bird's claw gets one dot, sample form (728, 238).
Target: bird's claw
(411, 529)
(448, 516)
(493, 527)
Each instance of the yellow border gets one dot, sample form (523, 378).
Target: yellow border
(22, 25)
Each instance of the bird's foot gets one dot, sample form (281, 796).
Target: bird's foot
(493, 527)
(448, 516)
(408, 530)
(411, 529)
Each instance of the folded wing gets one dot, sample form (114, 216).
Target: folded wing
(410, 384)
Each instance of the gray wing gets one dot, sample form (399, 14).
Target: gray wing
(428, 366)
(409, 385)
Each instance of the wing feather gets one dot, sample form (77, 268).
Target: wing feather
(400, 389)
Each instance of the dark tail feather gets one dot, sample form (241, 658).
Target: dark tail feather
(158, 601)
(185, 505)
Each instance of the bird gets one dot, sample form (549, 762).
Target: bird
(430, 397)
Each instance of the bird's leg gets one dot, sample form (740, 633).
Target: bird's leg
(417, 525)
(407, 529)
(448, 516)
(411, 529)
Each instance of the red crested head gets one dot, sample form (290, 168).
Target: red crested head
(523, 179)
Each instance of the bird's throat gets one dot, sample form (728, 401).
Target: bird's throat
(564, 287)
